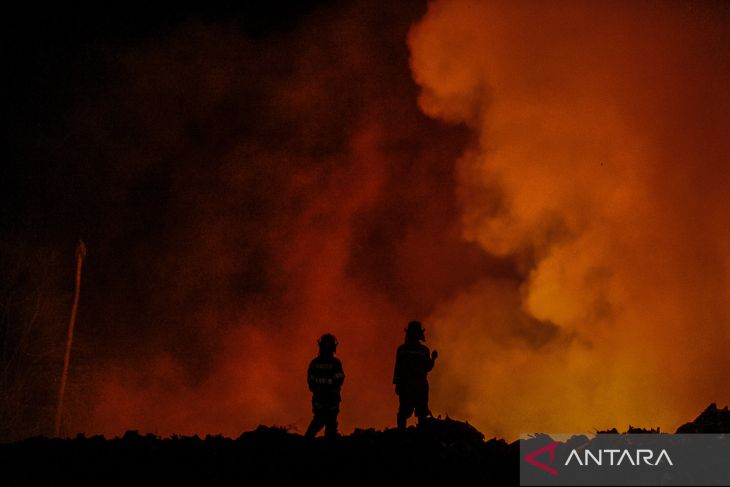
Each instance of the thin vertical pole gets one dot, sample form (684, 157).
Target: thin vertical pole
(80, 254)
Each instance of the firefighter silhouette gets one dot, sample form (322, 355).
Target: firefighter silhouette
(413, 362)
(325, 377)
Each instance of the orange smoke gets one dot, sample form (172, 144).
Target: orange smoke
(600, 165)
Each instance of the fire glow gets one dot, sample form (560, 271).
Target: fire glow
(543, 185)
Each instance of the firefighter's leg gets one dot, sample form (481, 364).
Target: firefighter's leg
(318, 419)
(401, 421)
(422, 411)
(316, 425)
(330, 423)
(404, 411)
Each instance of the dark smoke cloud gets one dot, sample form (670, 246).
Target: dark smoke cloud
(239, 196)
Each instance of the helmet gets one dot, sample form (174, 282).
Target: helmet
(327, 343)
(415, 331)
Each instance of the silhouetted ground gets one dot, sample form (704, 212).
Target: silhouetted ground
(442, 452)
(712, 420)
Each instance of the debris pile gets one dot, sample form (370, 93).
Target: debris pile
(447, 452)
(438, 452)
(712, 420)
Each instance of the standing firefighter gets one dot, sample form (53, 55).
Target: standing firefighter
(325, 377)
(413, 362)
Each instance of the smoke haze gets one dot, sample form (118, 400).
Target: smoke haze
(543, 185)
(601, 166)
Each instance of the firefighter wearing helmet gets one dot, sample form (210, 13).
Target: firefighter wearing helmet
(325, 377)
(413, 362)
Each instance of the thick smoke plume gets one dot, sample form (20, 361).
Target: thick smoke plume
(601, 166)
(261, 192)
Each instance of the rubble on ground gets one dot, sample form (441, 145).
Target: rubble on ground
(712, 420)
(439, 452)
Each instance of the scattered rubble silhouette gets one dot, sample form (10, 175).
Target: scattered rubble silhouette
(439, 452)
(712, 420)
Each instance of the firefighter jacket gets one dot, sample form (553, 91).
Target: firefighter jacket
(412, 363)
(325, 377)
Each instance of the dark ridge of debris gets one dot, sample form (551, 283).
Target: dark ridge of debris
(631, 431)
(445, 452)
(712, 420)
(439, 452)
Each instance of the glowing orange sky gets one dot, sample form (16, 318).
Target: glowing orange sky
(605, 130)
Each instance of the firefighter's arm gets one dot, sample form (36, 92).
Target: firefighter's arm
(431, 359)
(311, 379)
(396, 374)
(396, 371)
(339, 374)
